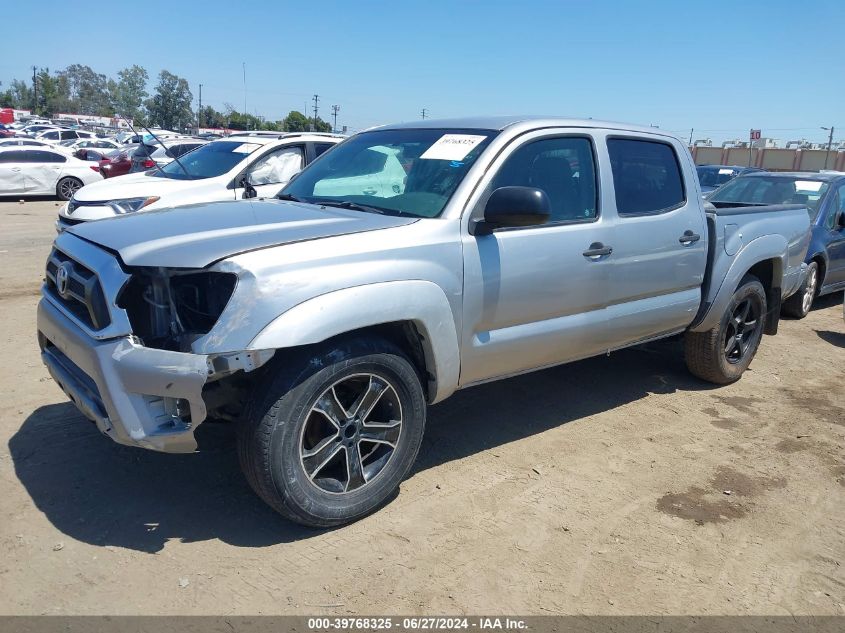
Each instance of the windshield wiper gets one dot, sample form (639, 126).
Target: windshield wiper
(287, 196)
(354, 206)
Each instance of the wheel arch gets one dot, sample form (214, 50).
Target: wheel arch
(414, 315)
(765, 258)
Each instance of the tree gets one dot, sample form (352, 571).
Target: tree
(296, 122)
(129, 91)
(53, 93)
(19, 95)
(170, 106)
(209, 117)
(88, 91)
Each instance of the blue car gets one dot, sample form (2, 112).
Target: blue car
(711, 177)
(824, 195)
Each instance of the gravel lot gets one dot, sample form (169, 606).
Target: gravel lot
(617, 485)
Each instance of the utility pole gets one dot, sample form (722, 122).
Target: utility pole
(244, 65)
(316, 100)
(199, 112)
(34, 91)
(691, 130)
(829, 143)
(335, 110)
(424, 112)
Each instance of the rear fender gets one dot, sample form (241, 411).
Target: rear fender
(422, 303)
(766, 248)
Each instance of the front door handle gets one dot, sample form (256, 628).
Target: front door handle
(689, 237)
(596, 250)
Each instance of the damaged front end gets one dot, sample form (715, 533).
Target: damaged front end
(132, 369)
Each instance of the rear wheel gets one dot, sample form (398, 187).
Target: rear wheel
(721, 354)
(329, 441)
(68, 186)
(798, 305)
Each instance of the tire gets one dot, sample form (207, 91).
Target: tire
(720, 355)
(300, 435)
(798, 305)
(67, 186)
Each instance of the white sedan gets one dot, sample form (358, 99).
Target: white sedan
(38, 171)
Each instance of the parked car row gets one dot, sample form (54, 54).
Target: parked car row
(225, 169)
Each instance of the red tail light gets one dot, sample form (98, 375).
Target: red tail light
(95, 168)
(149, 163)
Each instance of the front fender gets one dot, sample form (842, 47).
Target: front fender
(421, 302)
(765, 248)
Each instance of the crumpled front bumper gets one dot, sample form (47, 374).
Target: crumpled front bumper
(136, 395)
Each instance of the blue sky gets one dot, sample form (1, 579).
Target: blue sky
(719, 67)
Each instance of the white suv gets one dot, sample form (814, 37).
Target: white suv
(58, 135)
(216, 171)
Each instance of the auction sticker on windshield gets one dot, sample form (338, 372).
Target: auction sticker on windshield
(452, 146)
(245, 148)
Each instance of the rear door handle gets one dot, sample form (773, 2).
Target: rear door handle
(596, 250)
(689, 238)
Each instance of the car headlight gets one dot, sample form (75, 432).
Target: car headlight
(130, 205)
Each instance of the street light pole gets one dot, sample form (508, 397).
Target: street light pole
(829, 144)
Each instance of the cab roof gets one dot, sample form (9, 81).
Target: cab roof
(501, 123)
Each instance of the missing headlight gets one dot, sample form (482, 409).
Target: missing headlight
(171, 309)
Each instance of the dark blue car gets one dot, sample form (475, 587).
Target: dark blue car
(824, 195)
(712, 177)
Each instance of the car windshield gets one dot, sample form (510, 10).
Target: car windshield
(754, 190)
(715, 176)
(401, 172)
(207, 161)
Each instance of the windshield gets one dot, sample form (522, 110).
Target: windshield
(773, 190)
(714, 176)
(207, 161)
(407, 172)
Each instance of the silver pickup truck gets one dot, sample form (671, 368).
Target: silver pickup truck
(407, 262)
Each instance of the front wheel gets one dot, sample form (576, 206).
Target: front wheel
(330, 440)
(721, 354)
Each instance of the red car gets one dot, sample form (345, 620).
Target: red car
(117, 163)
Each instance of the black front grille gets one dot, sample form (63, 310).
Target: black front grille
(80, 293)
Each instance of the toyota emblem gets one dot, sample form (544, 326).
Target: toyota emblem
(62, 276)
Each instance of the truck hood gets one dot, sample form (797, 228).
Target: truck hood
(137, 185)
(197, 235)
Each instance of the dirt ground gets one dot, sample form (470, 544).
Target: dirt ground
(617, 485)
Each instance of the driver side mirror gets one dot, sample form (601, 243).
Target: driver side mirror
(512, 207)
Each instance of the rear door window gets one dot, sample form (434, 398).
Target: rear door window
(319, 148)
(646, 177)
(40, 156)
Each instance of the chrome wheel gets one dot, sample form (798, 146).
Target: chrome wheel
(810, 289)
(351, 433)
(68, 187)
(741, 330)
